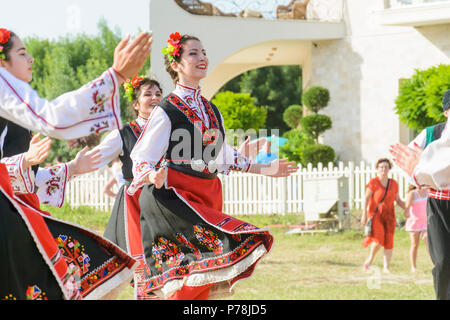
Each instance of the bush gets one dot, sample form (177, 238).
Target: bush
(293, 148)
(317, 153)
(316, 98)
(419, 103)
(316, 124)
(293, 115)
(239, 111)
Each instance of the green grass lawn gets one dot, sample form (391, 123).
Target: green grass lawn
(322, 266)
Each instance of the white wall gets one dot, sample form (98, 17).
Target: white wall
(362, 72)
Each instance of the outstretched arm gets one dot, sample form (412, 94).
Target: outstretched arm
(277, 168)
(95, 107)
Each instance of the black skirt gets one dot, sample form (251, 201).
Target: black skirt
(42, 257)
(188, 240)
(124, 229)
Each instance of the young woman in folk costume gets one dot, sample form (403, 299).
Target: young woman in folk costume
(123, 227)
(42, 257)
(192, 249)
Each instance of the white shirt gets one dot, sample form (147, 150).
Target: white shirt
(433, 168)
(112, 145)
(95, 107)
(154, 140)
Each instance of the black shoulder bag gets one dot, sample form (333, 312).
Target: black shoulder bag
(368, 226)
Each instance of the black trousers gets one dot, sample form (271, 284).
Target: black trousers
(438, 225)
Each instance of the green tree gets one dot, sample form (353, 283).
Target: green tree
(316, 98)
(316, 153)
(316, 124)
(68, 63)
(293, 115)
(275, 88)
(298, 139)
(419, 103)
(303, 145)
(239, 111)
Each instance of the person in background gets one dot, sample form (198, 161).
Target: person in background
(416, 222)
(381, 193)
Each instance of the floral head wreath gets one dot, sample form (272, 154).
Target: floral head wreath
(173, 46)
(130, 85)
(4, 38)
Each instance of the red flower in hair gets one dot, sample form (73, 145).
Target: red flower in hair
(4, 36)
(135, 81)
(175, 36)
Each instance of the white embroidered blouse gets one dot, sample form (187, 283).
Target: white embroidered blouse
(95, 107)
(154, 141)
(112, 145)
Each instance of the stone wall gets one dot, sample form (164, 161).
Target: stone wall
(362, 72)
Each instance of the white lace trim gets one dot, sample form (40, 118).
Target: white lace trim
(221, 277)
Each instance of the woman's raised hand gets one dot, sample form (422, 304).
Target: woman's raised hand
(129, 58)
(84, 162)
(405, 157)
(37, 151)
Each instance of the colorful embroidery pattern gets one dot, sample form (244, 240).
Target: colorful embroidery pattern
(99, 127)
(166, 251)
(74, 253)
(209, 134)
(136, 128)
(245, 227)
(35, 293)
(182, 239)
(97, 83)
(99, 102)
(208, 239)
(53, 185)
(205, 265)
(100, 275)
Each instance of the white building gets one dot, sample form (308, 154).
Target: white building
(358, 49)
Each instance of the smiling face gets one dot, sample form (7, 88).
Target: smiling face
(149, 96)
(193, 64)
(19, 62)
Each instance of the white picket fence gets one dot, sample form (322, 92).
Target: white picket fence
(249, 193)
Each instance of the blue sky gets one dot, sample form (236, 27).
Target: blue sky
(54, 18)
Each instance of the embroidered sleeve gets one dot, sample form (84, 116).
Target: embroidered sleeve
(93, 108)
(110, 148)
(235, 161)
(22, 180)
(51, 184)
(229, 159)
(150, 148)
(140, 172)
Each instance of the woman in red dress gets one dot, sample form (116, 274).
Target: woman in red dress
(383, 213)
